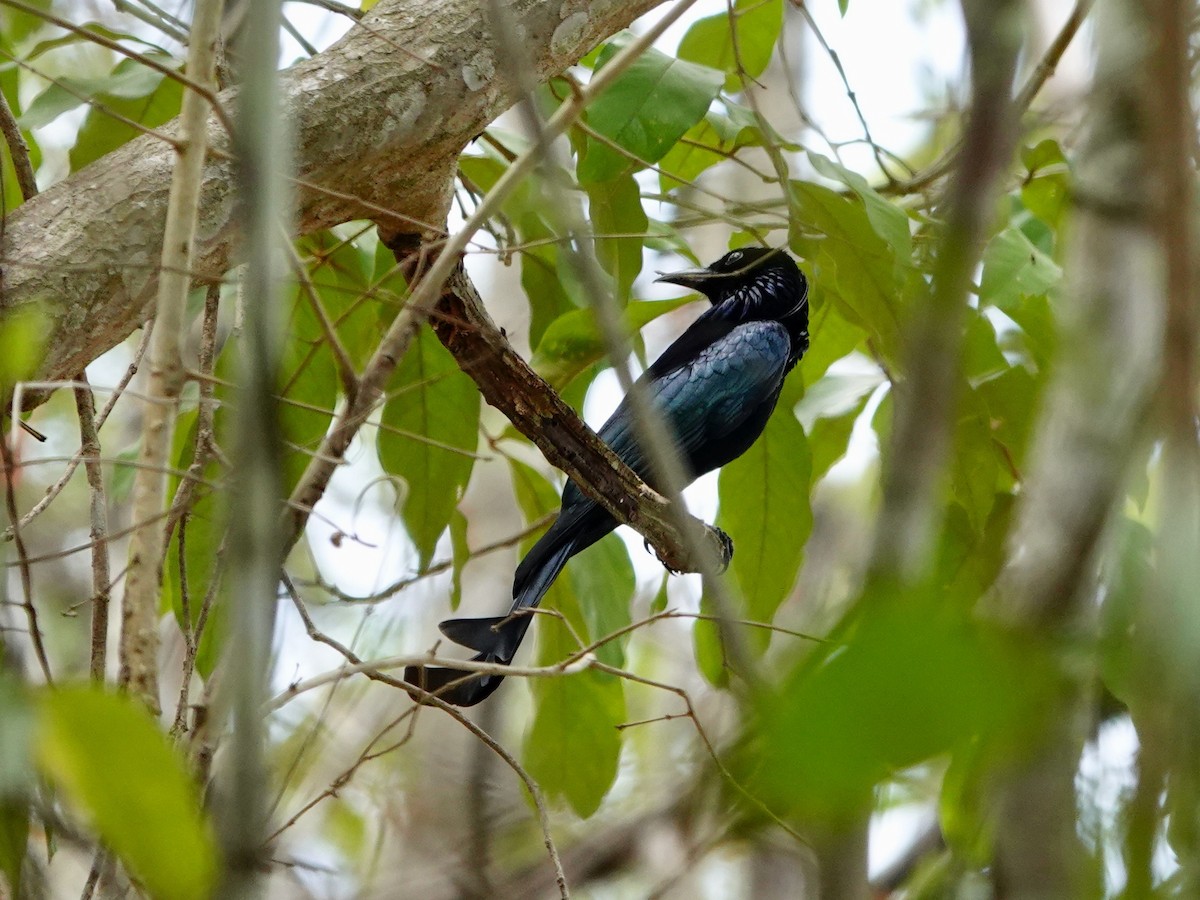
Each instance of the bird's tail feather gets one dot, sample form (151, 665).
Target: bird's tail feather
(497, 638)
(457, 687)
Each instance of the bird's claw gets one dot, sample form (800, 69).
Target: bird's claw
(724, 552)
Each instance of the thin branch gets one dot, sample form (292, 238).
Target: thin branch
(1042, 72)
(535, 792)
(55, 489)
(139, 608)
(23, 559)
(837, 64)
(89, 446)
(17, 148)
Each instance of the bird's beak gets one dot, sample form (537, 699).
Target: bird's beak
(688, 278)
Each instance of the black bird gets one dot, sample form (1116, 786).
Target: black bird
(717, 385)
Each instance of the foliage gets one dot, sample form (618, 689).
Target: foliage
(906, 677)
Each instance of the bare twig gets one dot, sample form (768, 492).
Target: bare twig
(837, 64)
(7, 463)
(54, 490)
(18, 150)
(139, 608)
(1024, 99)
(89, 446)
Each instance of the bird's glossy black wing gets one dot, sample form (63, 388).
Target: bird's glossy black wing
(712, 398)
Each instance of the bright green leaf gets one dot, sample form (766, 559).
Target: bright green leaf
(108, 757)
(709, 647)
(431, 430)
(577, 715)
(854, 265)
(148, 101)
(602, 578)
(710, 41)
(1013, 266)
(573, 341)
(888, 219)
(765, 509)
(618, 221)
(646, 110)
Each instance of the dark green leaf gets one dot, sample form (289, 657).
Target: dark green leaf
(906, 678)
(14, 841)
(432, 430)
(107, 756)
(646, 110)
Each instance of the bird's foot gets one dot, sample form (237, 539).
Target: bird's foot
(723, 546)
(725, 554)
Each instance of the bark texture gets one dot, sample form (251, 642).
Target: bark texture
(379, 119)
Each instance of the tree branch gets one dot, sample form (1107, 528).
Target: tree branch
(379, 119)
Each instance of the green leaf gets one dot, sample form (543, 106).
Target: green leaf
(1012, 267)
(574, 341)
(431, 431)
(460, 554)
(1012, 399)
(646, 110)
(14, 841)
(829, 438)
(974, 463)
(147, 99)
(22, 338)
(128, 80)
(888, 219)
(342, 276)
(602, 578)
(108, 758)
(616, 210)
(907, 677)
(309, 390)
(573, 746)
(835, 335)
(765, 509)
(709, 647)
(710, 41)
(1039, 326)
(854, 265)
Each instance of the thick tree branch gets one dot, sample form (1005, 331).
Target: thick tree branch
(379, 118)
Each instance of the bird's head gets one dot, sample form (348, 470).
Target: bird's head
(754, 282)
